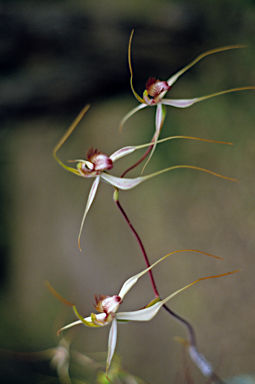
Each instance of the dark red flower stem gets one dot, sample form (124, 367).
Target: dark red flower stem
(141, 246)
(191, 332)
(156, 293)
(139, 161)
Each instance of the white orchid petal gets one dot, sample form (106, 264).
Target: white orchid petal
(144, 314)
(121, 182)
(131, 113)
(99, 317)
(129, 284)
(125, 184)
(159, 120)
(132, 280)
(122, 152)
(147, 314)
(91, 197)
(111, 343)
(180, 103)
(77, 322)
(130, 149)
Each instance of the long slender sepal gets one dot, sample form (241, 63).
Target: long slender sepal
(185, 103)
(125, 184)
(66, 135)
(173, 78)
(148, 313)
(132, 280)
(85, 321)
(159, 121)
(91, 197)
(131, 113)
(130, 149)
(112, 340)
(131, 71)
(57, 295)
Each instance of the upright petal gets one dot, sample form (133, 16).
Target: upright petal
(130, 68)
(173, 78)
(132, 280)
(66, 135)
(111, 343)
(148, 313)
(91, 197)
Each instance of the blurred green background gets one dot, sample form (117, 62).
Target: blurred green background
(56, 56)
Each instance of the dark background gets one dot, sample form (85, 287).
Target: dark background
(56, 56)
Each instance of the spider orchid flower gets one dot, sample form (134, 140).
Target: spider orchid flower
(108, 306)
(156, 90)
(98, 163)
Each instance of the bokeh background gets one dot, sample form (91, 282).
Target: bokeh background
(56, 56)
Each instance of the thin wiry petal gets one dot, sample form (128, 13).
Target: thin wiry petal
(173, 78)
(132, 280)
(159, 120)
(131, 71)
(131, 113)
(112, 340)
(125, 184)
(122, 152)
(180, 103)
(91, 197)
(184, 103)
(66, 135)
(86, 321)
(148, 313)
(130, 149)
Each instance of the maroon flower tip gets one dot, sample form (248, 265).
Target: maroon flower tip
(150, 81)
(100, 161)
(155, 87)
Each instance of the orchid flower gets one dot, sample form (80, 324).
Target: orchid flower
(108, 307)
(98, 163)
(155, 91)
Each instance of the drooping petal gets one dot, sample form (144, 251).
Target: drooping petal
(131, 113)
(111, 343)
(184, 103)
(173, 78)
(132, 280)
(91, 197)
(125, 184)
(159, 120)
(147, 314)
